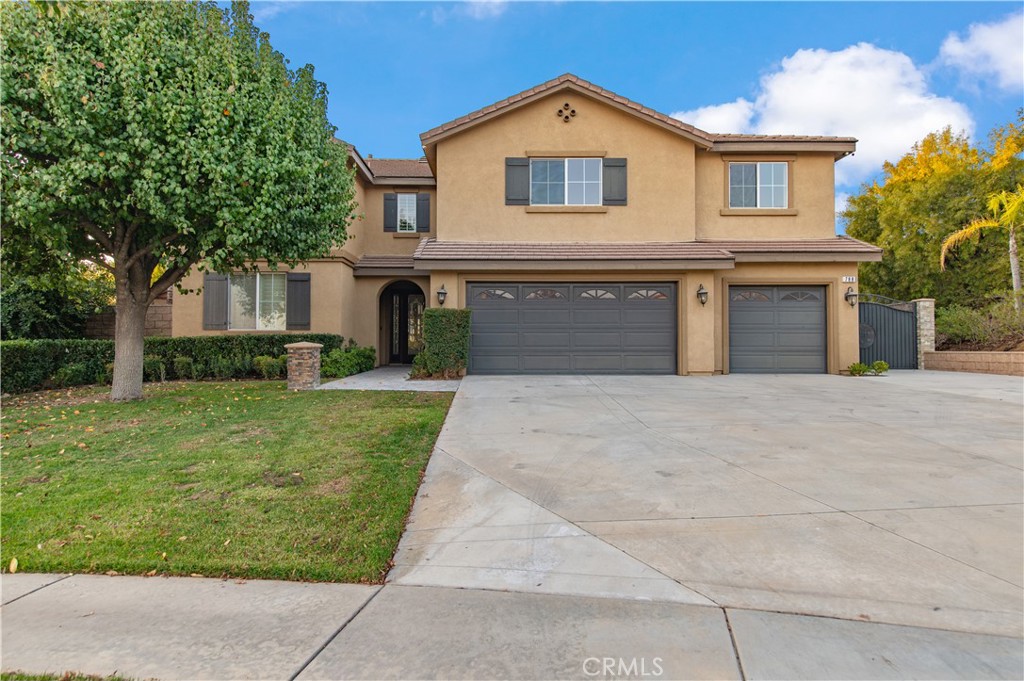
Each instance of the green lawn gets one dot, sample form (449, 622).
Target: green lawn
(232, 479)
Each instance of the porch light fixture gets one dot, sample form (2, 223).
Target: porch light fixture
(441, 295)
(702, 295)
(851, 297)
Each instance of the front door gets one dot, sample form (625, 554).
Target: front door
(406, 339)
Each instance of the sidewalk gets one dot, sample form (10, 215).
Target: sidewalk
(194, 628)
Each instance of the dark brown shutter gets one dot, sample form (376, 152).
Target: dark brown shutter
(423, 212)
(215, 301)
(614, 182)
(517, 182)
(297, 302)
(391, 212)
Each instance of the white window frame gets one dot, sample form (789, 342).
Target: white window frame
(409, 226)
(757, 185)
(258, 326)
(566, 181)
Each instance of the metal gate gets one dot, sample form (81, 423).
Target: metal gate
(888, 331)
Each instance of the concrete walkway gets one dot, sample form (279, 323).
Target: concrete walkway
(389, 378)
(804, 527)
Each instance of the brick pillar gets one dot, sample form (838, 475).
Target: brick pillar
(303, 365)
(925, 328)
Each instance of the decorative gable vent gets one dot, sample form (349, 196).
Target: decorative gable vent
(566, 113)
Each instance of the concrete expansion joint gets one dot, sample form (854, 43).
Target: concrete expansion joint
(38, 588)
(330, 639)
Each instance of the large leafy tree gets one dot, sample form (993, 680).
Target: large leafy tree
(942, 184)
(139, 135)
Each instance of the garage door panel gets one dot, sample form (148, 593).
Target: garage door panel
(573, 328)
(777, 329)
(596, 316)
(552, 362)
(487, 340)
(545, 339)
(596, 339)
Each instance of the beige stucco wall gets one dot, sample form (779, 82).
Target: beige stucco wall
(371, 239)
(471, 176)
(703, 337)
(811, 197)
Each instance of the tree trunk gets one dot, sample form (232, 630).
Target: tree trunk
(1015, 270)
(129, 330)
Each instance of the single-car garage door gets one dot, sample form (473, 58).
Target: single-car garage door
(561, 328)
(777, 329)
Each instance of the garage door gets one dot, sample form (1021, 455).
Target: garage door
(777, 329)
(562, 328)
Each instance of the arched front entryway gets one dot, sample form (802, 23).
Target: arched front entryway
(401, 315)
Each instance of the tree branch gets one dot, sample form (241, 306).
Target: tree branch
(168, 279)
(138, 255)
(101, 237)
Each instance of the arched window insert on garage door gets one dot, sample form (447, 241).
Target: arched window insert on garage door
(802, 297)
(597, 294)
(750, 297)
(494, 294)
(546, 294)
(646, 294)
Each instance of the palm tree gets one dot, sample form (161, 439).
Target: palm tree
(1007, 210)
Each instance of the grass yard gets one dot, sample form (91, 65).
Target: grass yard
(240, 479)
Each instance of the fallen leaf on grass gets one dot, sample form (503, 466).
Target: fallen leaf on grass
(226, 542)
(14, 566)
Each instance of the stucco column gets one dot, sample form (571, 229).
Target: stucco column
(698, 323)
(925, 328)
(303, 365)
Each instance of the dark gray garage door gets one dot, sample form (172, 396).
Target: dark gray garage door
(572, 328)
(777, 329)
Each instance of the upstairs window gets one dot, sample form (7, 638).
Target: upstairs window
(566, 182)
(407, 212)
(759, 185)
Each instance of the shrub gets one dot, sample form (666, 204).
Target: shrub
(858, 369)
(959, 324)
(184, 368)
(340, 363)
(79, 373)
(269, 367)
(33, 364)
(446, 343)
(879, 367)
(153, 369)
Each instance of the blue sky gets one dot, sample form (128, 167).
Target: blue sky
(887, 73)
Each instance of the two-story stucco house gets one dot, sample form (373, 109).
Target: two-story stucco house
(588, 233)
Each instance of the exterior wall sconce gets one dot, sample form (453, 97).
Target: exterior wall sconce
(851, 297)
(702, 295)
(441, 295)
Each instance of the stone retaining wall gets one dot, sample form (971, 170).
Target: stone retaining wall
(1006, 363)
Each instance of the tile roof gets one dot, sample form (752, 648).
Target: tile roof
(432, 249)
(570, 80)
(838, 244)
(385, 262)
(399, 167)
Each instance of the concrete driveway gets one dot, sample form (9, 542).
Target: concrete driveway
(780, 500)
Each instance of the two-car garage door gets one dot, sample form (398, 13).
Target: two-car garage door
(565, 328)
(569, 328)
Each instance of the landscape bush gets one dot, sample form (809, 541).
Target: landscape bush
(153, 369)
(270, 368)
(342, 362)
(998, 322)
(27, 365)
(446, 344)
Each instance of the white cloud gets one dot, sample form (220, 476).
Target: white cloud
(732, 117)
(993, 50)
(485, 9)
(262, 11)
(842, 201)
(878, 96)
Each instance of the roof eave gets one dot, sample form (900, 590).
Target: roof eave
(839, 148)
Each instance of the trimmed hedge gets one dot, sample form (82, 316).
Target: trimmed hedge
(339, 363)
(35, 364)
(446, 343)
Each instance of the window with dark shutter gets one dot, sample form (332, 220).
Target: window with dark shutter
(517, 182)
(614, 182)
(298, 313)
(423, 212)
(391, 212)
(215, 301)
